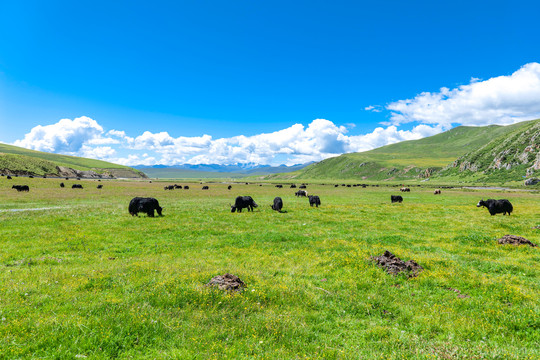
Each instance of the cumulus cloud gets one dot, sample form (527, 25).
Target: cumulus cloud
(66, 136)
(499, 100)
(321, 139)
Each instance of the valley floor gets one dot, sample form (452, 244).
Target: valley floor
(81, 278)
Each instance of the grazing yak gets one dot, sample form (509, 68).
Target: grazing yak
(242, 202)
(145, 205)
(278, 204)
(293, 186)
(62, 185)
(21, 187)
(100, 186)
(186, 187)
(314, 200)
(396, 198)
(279, 186)
(302, 186)
(405, 189)
(501, 206)
(205, 187)
(437, 192)
(76, 186)
(229, 187)
(8, 177)
(301, 193)
(168, 187)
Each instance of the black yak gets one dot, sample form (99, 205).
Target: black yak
(145, 205)
(278, 204)
(501, 206)
(76, 186)
(21, 187)
(100, 186)
(396, 198)
(242, 202)
(437, 192)
(62, 184)
(314, 200)
(301, 193)
(229, 187)
(186, 187)
(205, 187)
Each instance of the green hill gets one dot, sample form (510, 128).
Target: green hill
(408, 159)
(512, 156)
(22, 161)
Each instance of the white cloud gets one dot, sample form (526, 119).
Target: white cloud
(390, 135)
(374, 108)
(499, 100)
(66, 136)
(100, 152)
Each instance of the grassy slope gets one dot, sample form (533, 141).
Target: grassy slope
(507, 149)
(33, 158)
(432, 152)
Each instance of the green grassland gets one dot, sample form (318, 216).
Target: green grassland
(84, 279)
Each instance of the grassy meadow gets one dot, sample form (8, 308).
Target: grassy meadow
(81, 278)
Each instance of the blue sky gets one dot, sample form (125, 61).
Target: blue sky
(264, 82)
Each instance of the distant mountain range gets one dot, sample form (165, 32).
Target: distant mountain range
(215, 170)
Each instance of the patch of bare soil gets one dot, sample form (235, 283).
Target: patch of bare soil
(227, 282)
(394, 265)
(515, 240)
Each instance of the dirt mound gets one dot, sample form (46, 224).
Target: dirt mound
(227, 282)
(515, 240)
(395, 265)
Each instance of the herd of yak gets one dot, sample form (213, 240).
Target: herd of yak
(151, 205)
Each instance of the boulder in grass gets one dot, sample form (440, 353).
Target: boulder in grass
(515, 240)
(394, 265)
(228, 282)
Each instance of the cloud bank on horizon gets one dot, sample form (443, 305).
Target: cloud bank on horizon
(501, 100)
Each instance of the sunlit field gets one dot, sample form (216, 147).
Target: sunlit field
(81, 278)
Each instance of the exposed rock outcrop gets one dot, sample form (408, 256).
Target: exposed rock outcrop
(531, 181)
(69, 172)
